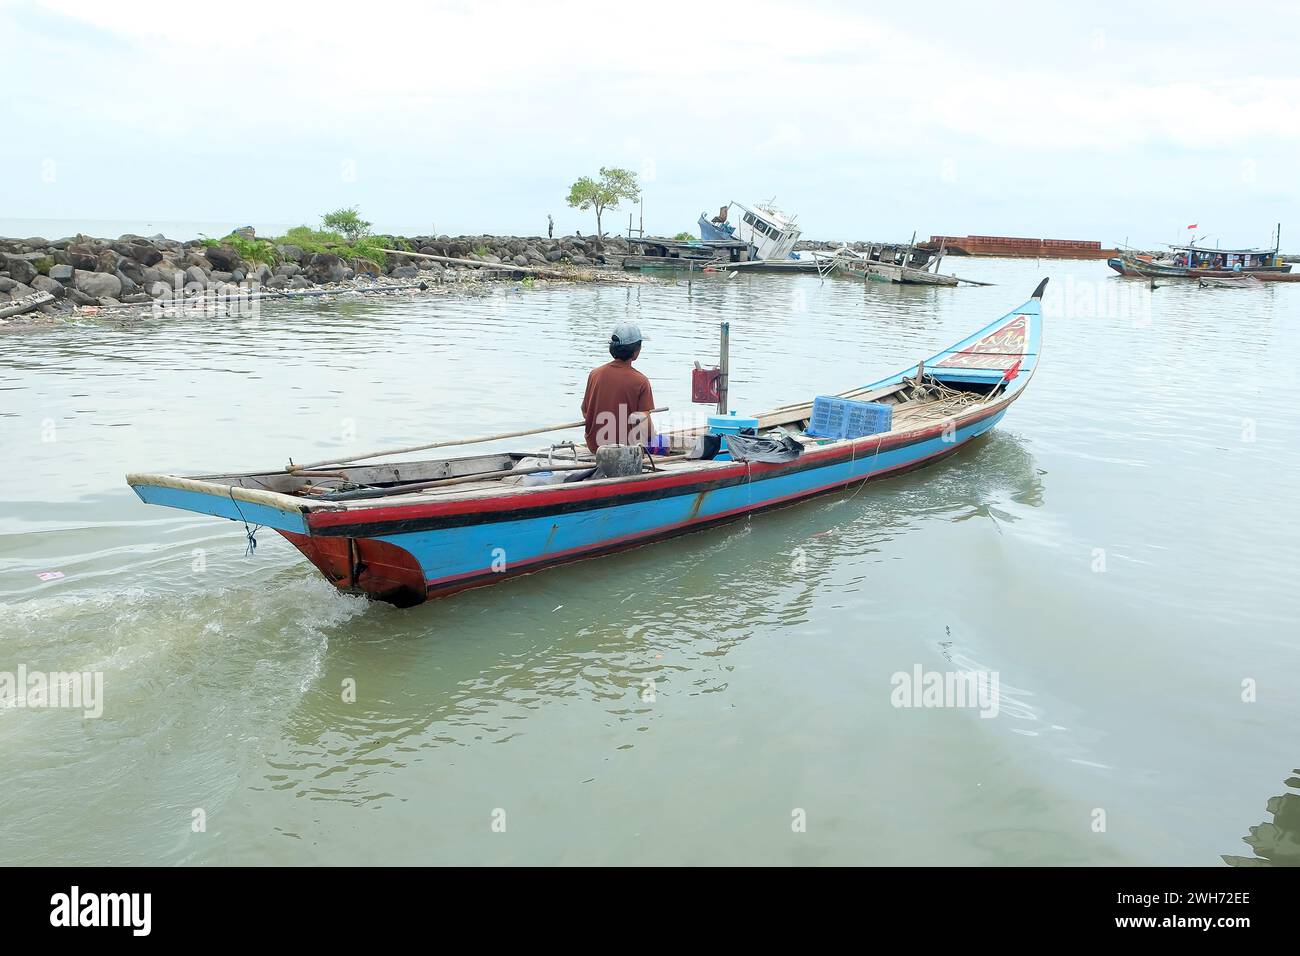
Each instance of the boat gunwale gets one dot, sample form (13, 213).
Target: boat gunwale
(333, 512)
(362, 521)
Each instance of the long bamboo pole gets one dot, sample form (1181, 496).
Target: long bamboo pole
(294, 469)
(510, 267)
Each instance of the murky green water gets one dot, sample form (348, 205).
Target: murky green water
(1122, 552)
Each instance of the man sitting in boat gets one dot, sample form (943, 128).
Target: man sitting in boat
(617, 405)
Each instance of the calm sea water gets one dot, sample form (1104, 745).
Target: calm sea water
(1121, 551)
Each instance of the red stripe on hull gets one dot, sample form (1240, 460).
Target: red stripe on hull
(442, 587)
(563, 495)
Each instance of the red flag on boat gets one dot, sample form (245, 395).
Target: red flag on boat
(1193, 226)
(1013, 371)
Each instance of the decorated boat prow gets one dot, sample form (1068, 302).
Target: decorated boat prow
(407, 531)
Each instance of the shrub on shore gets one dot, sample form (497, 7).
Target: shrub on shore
(318, 240)
(346, 222)
(257, 251)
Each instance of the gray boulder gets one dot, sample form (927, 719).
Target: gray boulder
(80, 298)
(46, 284)
(131, 269)
(195, 274)
(97, 285)
(321, 265)
(288, 269)
(406, 272)
(170, 276)
(299, 282)
(223, 258)
(291, 252)
(129, 285)
(79, 256)
(277, 282)
(7, 284)
(145, 254)
(20, 269)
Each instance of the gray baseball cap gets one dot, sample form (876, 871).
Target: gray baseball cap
(625, 333)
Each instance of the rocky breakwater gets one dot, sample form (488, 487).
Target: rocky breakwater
(81, 271)
(523, 251)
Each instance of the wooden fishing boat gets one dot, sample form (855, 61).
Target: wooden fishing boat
(408, 531)
(1192, 261)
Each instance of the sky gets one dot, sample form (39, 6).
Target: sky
(1117, 122)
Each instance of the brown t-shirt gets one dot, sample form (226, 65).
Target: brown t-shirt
(615, 391)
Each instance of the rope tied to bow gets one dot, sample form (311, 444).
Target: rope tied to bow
(250, 533)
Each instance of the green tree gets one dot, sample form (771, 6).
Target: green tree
(347, 223)
(613, 186)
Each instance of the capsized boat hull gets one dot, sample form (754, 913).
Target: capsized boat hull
(874, 271)
(405, 549)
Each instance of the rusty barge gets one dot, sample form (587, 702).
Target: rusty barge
(1015, 247)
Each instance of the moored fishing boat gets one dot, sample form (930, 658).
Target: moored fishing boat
(407, 531)
(1192, 261)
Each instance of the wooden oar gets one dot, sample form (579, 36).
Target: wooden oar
(294, 469)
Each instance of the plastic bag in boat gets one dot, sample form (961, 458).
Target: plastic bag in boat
(706, 448)
(774, 447)
(536, 478)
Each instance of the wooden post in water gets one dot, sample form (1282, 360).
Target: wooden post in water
(724, 367)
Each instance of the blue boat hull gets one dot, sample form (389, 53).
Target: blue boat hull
(712, 232)
(453, 552)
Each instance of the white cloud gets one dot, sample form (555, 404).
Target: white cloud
(486, 111)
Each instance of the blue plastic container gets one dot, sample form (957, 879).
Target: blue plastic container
(730, 424)
(834, 417)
